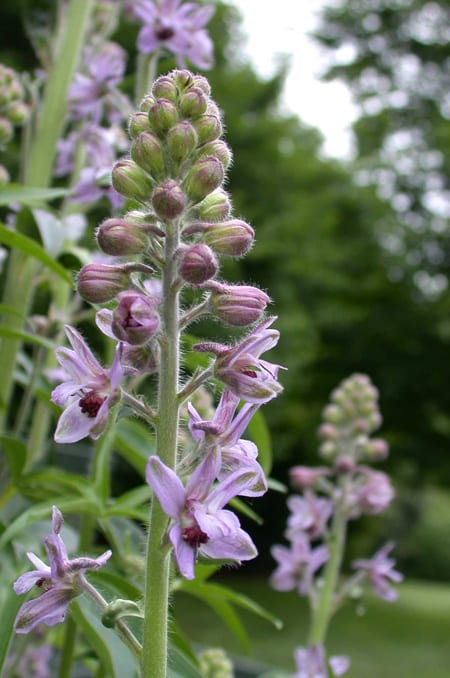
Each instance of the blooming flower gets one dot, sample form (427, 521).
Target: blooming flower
(297, 565)
(372, 492)
(311, 663)
(309, 514)
(60, 581)
(87, 394)
(200, 524)
(176, 26)
(242, 370)
(379, 570)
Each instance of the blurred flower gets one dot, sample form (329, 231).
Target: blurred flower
(309, 515)
(59, 580)
(175, 26)
(310, 663)
(379, 570)
(371, 492)
(297, 565)
(88, 392)
(200, 523)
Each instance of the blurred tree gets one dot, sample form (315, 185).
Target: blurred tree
(395, 57)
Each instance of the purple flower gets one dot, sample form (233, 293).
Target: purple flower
(309, 515)
(88, 393)
(310, 663)
(224, 431)
(242, 370)
(200, 524)
(59, 581)
(175, 26)
(297, 565)
(372, 492)
(379, 570)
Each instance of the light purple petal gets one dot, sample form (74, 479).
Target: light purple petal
(339, 664)
(82, 350)
(27, 580)
(235, 546)
(201, 480)
(50, 609)
(73, 425)
(167, 487)
(103, 320)
(184, 553)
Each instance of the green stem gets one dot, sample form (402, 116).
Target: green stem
(67, 649)
(156, 601)
(146, 74)
(322, 614)
(22, 270)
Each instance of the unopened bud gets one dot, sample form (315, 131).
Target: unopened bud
(183, 79)
(203, 178)
(181, 140)
(138, 123)
(147, 152)
(162, 116)
(198, 264)
(208, 128)
(232, 238)
(137, 360)
(131, 181)
(202, 83)
(333, 414)
(215, 207)
(220, 150)
(238, 305)
(6, 131)
(303, 477)
(169, 200)
(118, 237)
(135, 319)
(376, 449)
(146, 103)
(327, 450)
(328, 432)
(100, 283)
(193, 103)
(164, 87)
(17, 112)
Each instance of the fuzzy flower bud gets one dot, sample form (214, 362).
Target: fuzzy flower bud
(6, 131)
(183, 79)
(238, 305)
(232, 238)
(193, 103)
(131, 181)
(181, 140)
(220, 150)
(146, 103)
(203, 178)
(169, 200)
(164, 87)
(209, 128)
(135, 320)
(100, 283)
(303, 477)
(215, 207)
(202, 83)
(17, 112)
(162, 116)
(147, 152)
(118, 237)
(138, 123)
(198, 264)
(214, 663)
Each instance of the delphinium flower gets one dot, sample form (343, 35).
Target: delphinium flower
(60, 581)
(331, 496)
(175, 26)
(311, 663)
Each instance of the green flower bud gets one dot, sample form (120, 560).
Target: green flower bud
(6, 131)
(232, 238)
(147, 102)
(17, 112)
(162, 116)
(181, 140)
(138, 123)
(193, 103)
(117, 237)
(215, 207)
(202, 83)
(131, 181)
(220, 150)
(169, 200)
(147, 152)
(208, 128)
(203, 178)
(183, 79)
(100, 283)
(4, 176)
(164, 87)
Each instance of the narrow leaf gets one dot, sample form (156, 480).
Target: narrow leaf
(10, 606)
(28, 195)
(16, 454)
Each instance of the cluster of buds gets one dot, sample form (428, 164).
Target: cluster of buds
(331, 496)
(13, 110)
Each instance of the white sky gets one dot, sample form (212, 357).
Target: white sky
(280, 26)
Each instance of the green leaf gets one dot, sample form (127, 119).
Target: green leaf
(248, 604)
(127, 503)
(54, 482)
(16, 454)
(26, 337)
(243, 508)
(116, 659)
(9, 310)
(179, 665)
(134, 442)
(29, 195)
(30, 247)
(260, 435)
(10, 606)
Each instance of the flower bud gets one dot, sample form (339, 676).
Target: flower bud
(183, 79)
(135, 319)
(328, 432)
(220, 150)
(17, 112)
(138, 123)
(131, 181)
(193, 103)
(238, 305)
(162, 116)
(181, 140)
(147, 152)
(333, 414)
(118, 237)
(376, 449)
(198, 264)
(6, 131)
(169, 200)
(303, 477)
(232, 238)
(100, 283)
(215, 207)
(202, 83)
(137, 360)
(146, 103)
(4, 177)
(164, 87)
(208, 128)
(203, 178)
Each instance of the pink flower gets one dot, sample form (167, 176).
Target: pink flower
(379, 570)
(297, 565)
(311, 663)
(88, 393)
(309, 515)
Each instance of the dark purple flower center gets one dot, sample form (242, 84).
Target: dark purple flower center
(249, 373)
(164, 33)
(194, 536)
(91, 403)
